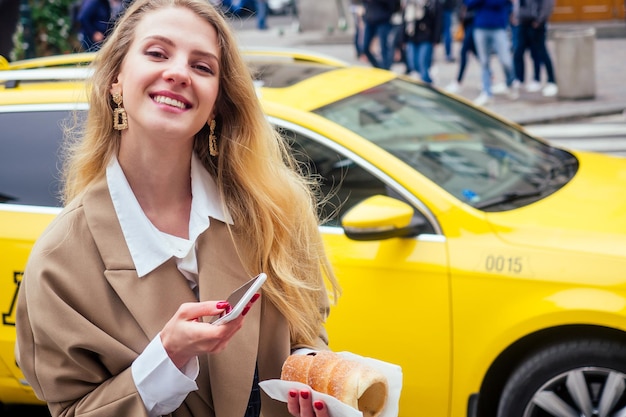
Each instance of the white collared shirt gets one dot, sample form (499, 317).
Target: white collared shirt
(162, 386)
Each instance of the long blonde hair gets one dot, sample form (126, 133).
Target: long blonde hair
(260, 182)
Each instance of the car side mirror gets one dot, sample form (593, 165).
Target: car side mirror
(380, 217)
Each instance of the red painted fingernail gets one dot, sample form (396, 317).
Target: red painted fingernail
(318, 405)
(293, 393)
(255, 297)
(245, 310)
(222, 304)
(304, 394)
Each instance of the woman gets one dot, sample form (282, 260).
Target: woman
(177, 192)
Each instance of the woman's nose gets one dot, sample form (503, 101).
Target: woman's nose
(178, 73)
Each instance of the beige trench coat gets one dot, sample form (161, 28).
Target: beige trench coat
(83, 316)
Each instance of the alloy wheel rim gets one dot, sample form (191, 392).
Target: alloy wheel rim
(581, 392)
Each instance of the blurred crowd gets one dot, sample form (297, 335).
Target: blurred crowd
(406, 32)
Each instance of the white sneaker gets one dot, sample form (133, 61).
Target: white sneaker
(550, 90)
(513, 92)
(500, 88)
(434, 74)
(454, 87)
(483, 99)
(415, 75)
(533, 86)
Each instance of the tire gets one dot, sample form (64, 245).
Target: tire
(584, 378)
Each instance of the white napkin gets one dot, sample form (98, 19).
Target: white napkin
(279, 390)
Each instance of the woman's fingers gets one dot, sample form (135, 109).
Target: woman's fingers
(185, 335)
(293, 402)
(301, 404)
(195, 311)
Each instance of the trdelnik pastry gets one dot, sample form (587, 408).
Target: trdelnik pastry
(351, 382)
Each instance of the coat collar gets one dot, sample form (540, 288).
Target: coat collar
(120, 271)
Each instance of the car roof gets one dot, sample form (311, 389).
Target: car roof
(294, 77)
(45, 80)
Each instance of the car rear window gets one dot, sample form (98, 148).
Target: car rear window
(29, 157)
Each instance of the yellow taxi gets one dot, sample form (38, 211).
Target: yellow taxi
(485, 262)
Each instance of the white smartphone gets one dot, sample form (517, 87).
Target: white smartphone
(239, 298)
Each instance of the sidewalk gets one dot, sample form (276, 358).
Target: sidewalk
(530, 108)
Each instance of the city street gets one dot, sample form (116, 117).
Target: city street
(605, 134)
(531, 108)
(597, 124)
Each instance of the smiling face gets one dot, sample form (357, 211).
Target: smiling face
(169, 79)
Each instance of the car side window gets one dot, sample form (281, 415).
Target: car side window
(342, 182)
(29, 160)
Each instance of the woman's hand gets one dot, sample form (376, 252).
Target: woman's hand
(301, 404)
(185, 335)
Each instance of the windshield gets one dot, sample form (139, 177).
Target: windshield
(475, 157)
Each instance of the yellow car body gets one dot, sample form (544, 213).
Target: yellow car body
(462, 305)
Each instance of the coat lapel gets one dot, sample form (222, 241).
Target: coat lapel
(220, 272)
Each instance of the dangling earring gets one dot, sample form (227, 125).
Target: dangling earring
(212, 139)
(120, 120)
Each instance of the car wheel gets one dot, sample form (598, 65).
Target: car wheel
(584, 378)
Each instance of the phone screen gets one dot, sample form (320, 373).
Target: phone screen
(240, 297)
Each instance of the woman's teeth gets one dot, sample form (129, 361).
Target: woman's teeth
(170, 102)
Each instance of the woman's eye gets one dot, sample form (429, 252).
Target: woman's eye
(156, 54)
(204, 68)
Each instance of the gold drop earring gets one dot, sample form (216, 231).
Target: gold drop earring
(120, 119)
(212, 139)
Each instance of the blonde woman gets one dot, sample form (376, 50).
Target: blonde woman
(176, 192)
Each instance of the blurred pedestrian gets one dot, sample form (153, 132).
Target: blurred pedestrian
(95, 18)
(449, 9)
(397, 39)
(357, 10)
(378, 26)
(533, 16)
(261, 14)
(491, 20)
(9, 16)
(466, 20)
(423, 22)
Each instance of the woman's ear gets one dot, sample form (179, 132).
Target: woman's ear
(116, 88)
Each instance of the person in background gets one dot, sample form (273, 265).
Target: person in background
(491, 19)
(377, 19)
(9, 18)
(261, 14)
(397, 39)
(449, 8)
(177, 190)
(357, 10)
(532, 17)
(466, 19)
(95, 19)
(423, 24)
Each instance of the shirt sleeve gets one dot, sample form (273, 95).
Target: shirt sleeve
(162, 386)
(304, 351)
